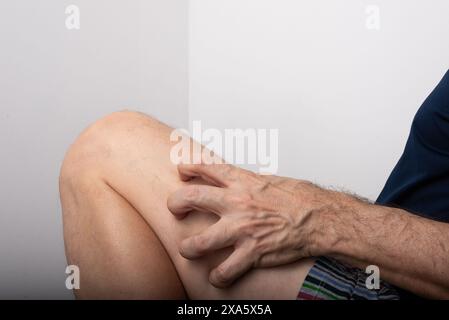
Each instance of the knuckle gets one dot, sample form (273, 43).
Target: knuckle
(200, 243)
(192, 193)
(245, 229)
(261, 247)
(251, 175)
(230, 172)
(225, 231)
(240, 201)
(228, 169)
(264, 185)
(221, 274)
(230, 232)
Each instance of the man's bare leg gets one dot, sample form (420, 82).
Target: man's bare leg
(114, 186)
(117, 252)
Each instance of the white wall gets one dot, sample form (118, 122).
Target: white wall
(54, 82)
(342, 96)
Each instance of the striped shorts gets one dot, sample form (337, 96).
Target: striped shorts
(329, 279)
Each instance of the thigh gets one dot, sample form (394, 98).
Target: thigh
(133, 152)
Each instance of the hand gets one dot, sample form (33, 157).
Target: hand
(262, 217)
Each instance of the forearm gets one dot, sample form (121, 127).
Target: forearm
(412, 252)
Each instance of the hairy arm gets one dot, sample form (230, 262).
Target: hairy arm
(270, 221)
(411, 252)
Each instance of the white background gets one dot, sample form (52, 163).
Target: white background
(342, 96)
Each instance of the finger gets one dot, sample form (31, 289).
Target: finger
(217, 174)
(196, 197)
(218, 236)
(236, 265)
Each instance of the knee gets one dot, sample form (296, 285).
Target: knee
(98, 142)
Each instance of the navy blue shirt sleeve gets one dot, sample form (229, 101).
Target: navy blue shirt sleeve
(419, 182)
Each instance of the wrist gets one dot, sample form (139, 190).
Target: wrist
(330, 233)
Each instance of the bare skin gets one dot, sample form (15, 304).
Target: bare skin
(114, 185)
(306, 220)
